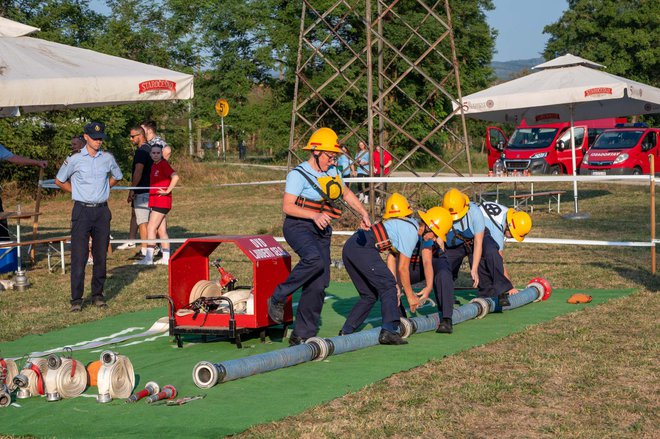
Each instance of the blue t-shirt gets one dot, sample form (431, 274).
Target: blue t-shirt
(5, 154)
(362, 156)
(495, 219)
(89, 175)
(402, 233)
(298, 185)
(470, 225)
(344, 163)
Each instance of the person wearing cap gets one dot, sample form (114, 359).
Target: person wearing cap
(501, 222)
(89, 175)
(313, 196)
(15, 159)
(376, 279)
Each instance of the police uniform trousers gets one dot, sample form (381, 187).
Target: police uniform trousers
(85, 222)
(373, 281)
(312, 272)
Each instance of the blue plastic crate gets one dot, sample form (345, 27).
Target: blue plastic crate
(8, 260)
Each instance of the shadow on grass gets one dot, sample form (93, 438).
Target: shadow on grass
(641, 277)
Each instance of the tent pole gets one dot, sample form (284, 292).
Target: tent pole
(652, 163)
(575, 191)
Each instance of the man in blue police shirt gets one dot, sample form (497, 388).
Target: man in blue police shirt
(89, 175)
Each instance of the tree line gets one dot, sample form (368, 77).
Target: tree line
(245, 52)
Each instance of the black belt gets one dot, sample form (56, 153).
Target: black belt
(80, 203)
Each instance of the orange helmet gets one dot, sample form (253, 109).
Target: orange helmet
(457, 203)
(397, 206)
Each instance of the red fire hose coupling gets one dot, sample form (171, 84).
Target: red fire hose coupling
(168, 392)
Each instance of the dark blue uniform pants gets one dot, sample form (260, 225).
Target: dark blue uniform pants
(443, 283)
(86, 222)
(373, 281)
(312, 272)
(492, 281)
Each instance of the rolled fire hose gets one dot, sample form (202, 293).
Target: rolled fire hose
(241, 299)
(8, 370)
(66, 378)
(5, 396)
(206, 374)
(30, 382)
(116, 377)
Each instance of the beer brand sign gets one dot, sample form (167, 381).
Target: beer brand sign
(157, 85)
(547, 116)
(596, 91)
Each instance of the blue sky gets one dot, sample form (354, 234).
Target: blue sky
(520, 26)
(519, 23)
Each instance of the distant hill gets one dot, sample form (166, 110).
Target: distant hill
(505, 70)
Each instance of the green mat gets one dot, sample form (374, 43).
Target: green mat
(234, 406)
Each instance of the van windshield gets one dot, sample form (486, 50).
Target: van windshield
(532, 138)
(617, 139)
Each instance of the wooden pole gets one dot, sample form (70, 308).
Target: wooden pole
(652, 163)
(35, 221)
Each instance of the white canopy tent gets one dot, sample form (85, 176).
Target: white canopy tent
(38, 75)
(564, 89)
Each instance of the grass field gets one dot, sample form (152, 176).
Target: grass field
(593, 373)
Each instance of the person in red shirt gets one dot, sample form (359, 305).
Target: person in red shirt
(163, 180)
(387, 160)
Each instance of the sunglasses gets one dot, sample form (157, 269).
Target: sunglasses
(330, 157)
(133, 135)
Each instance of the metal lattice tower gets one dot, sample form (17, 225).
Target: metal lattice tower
(381, 71)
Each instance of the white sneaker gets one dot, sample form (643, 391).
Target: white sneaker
(162, 262)
(144, 261)
(90, 261)
(126, 246)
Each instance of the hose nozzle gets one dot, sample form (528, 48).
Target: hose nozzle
(168, 392)
(149, 389)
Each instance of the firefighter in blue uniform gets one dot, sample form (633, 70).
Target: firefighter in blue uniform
(311, 202)
(468, 237)
(89, 175)
(375, 279)
(501, 222)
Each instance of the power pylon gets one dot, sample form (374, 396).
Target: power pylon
(384, 72)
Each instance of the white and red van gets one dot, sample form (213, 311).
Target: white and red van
(623, 151)
(544, 149)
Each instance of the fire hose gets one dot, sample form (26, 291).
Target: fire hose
(30, 382)
(5, 396)
(116, 378)
(8, 370)
(203, 299)
(207, 374)
(66, 378)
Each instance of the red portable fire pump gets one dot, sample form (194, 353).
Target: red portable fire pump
(198, 305)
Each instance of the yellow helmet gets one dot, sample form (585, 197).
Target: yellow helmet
(457, 203)
(438, 219)
(397, 206)
(520, 223)
(323, 139)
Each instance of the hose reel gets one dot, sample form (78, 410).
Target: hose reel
(66, 378)
(30, 382)
(116, 378)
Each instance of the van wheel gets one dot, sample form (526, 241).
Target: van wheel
(555, 170)
(637, 171)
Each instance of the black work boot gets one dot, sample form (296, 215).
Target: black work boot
(294, 340)
(275, 310)
(504, 299)
(387, 337)
(445, 326)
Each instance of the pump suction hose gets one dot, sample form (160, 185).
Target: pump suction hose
(66, 378)
(116, 378)
(206, 374)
